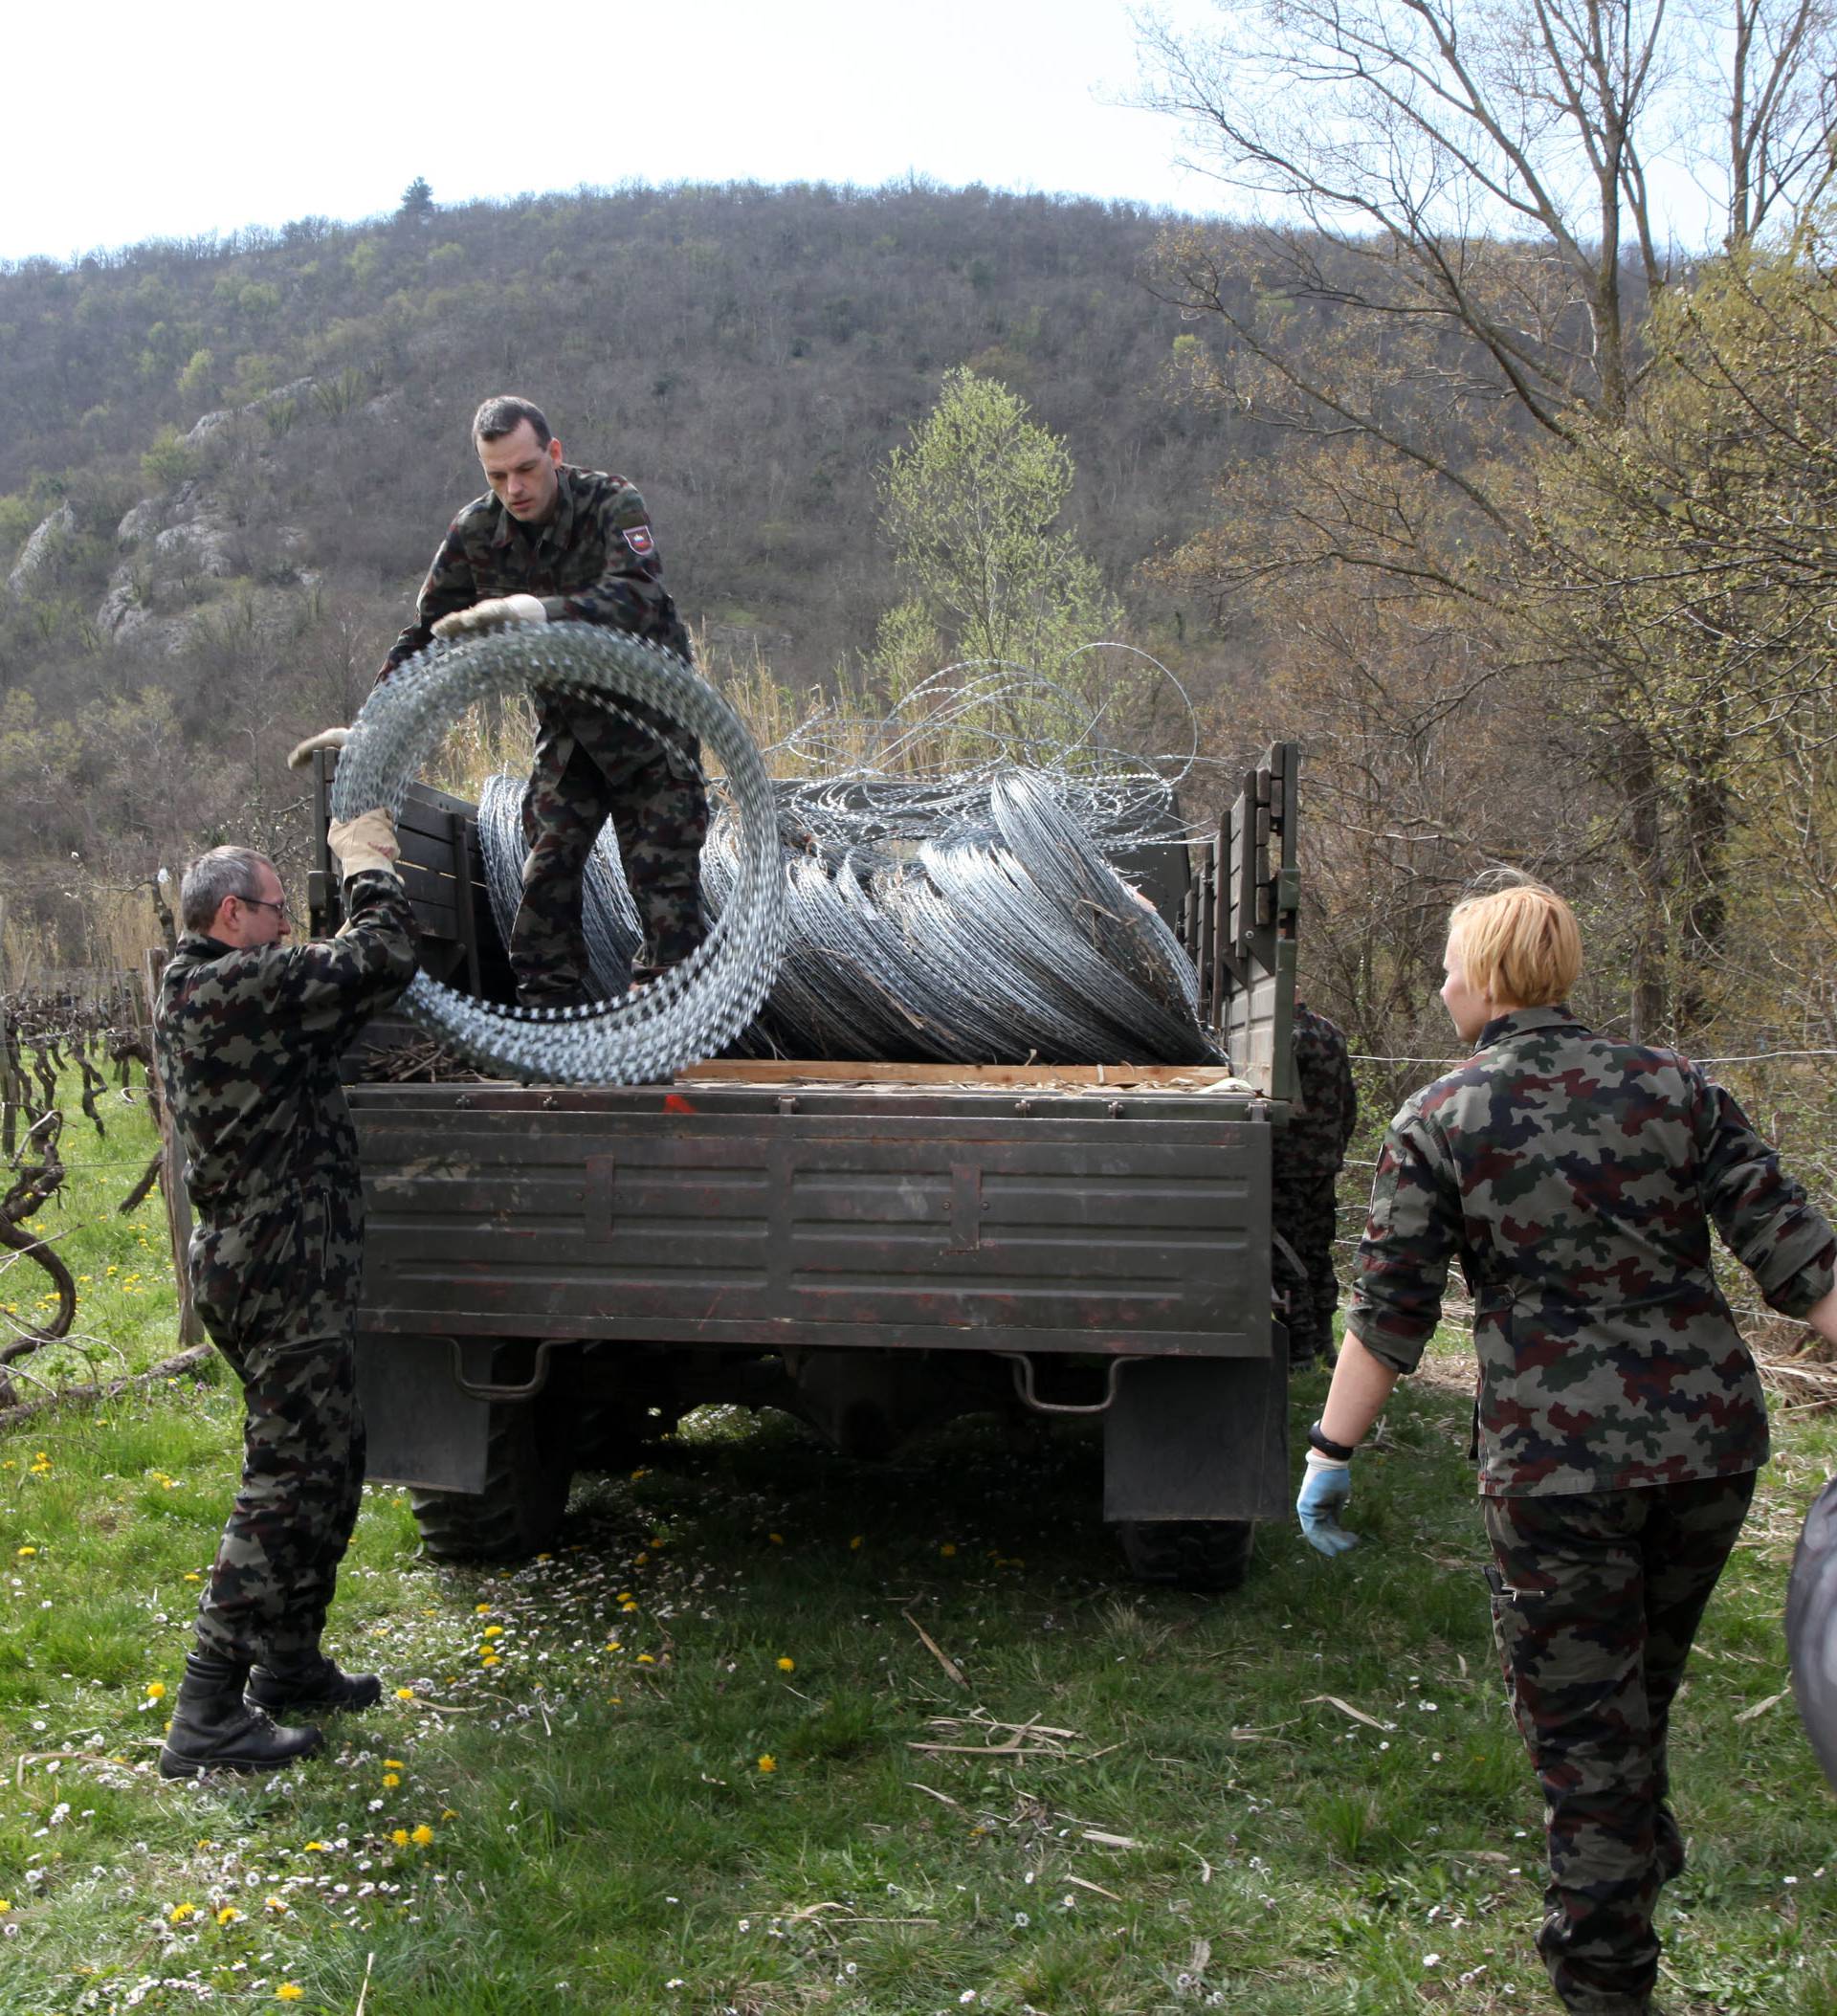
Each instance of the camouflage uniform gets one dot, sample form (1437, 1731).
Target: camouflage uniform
(1618, 1420)
(595, 560)
(248, 1044)
(1308, 1154)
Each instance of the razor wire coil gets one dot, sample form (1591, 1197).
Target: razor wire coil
(694, 1009)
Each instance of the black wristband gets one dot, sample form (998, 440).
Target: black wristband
(1318, 1438)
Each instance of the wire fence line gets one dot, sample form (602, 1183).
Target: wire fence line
(1759, 1056)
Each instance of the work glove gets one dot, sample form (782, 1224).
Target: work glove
(496, 614)
(301, 753)
(1326, 1487)
(368, 841)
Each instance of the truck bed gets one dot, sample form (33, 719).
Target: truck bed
(1099, 1209)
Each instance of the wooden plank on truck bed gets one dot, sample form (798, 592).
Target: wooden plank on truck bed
(1018, 1078)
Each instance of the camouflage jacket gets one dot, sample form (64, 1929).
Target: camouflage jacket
(249, 1042)
(1326, 1107)
(1577, 1180)
(594, 561)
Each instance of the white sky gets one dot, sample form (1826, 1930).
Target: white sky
(133, 121)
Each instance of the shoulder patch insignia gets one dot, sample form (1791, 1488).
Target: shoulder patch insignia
(638, 539)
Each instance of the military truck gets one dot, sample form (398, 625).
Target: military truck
(555, 1274)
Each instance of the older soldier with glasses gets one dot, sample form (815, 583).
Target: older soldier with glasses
(248, 1031)
(1619, 1420)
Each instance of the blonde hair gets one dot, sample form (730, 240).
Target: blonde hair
(1518, 945)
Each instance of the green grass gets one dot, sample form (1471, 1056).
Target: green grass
(602, 1835)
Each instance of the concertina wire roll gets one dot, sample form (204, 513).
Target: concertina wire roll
(694, 1010)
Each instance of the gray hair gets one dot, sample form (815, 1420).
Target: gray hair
(225, 871)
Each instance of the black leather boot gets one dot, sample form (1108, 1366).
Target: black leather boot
(313, 1680)
(214, 1729)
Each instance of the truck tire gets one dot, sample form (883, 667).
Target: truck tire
(1213, 1555)
(519, 1510)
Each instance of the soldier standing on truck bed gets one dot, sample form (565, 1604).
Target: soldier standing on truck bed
(1308, 1154)
(249, 1031)
(551, 544)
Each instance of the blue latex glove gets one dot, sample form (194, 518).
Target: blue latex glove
(1325, 1488)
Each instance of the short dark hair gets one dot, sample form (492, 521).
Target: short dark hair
(504, 414)
(225, 871)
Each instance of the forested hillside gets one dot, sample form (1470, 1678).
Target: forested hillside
(223, 466)
(1524, 538)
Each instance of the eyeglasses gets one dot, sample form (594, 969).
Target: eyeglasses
(264, 902)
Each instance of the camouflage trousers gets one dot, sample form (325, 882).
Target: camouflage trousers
(277, 1292)
(1304, 1211)
(1595, 1599)
(591, 766)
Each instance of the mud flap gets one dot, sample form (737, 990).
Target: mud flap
(420, 1428)
(1199, 1438)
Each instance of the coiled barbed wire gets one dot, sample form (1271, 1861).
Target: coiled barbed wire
(923, 769)
(1013, 943)
(697, 1008)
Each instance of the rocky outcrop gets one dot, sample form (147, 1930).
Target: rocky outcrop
(40, 552)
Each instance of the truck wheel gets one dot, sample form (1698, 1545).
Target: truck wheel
(1189, 1554)
(517, 1512)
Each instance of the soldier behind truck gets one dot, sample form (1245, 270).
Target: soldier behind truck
(550, 543)
(1308, 1154)
(248, 1031)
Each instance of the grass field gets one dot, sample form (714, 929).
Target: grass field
(704, 1759)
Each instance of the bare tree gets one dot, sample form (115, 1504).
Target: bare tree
(1464, 214)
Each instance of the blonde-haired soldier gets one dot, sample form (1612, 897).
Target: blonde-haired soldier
(1619, 1420)
(1519, 945)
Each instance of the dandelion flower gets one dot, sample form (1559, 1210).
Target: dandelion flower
(491, 1659)
(394, 1764)
(788, 1666)
(423, 1836)
(483, 1610)
(494, 1631)
(400, 1836)
(229, 1915)
(777, 1539)
(854, 1542)
(289, 1992)
(948, 1549)
(26, 1553)
(768, 1762)
(645, 1659)
(6, 1905)
(181, 1911)
(405, 1693)
(391, 1780)
(156, 1690)
(275, 1905)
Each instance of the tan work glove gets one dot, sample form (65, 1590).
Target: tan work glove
(496, 614)
(368, 841)
(301, 753)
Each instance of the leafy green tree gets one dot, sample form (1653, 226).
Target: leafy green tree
(417, 202)
(972, 508)
(199, 378)
(168, 462)
(1689, 548)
